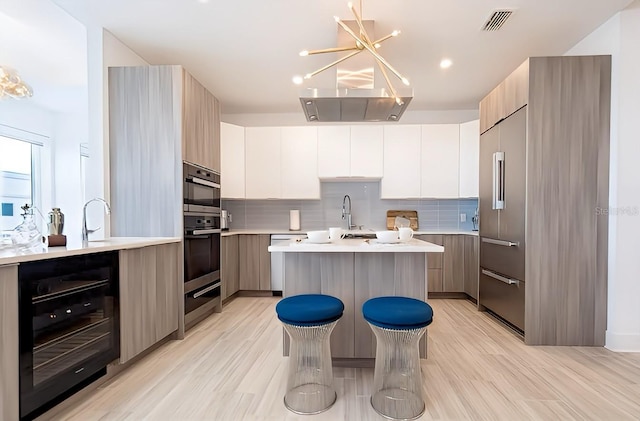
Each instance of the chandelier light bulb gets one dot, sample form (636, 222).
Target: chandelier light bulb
(405, 81)
(395, 33)
(297, 80)
(304, 53)
(377, 46)
(337, 19)
(308, 76)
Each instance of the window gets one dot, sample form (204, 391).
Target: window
(19, 179)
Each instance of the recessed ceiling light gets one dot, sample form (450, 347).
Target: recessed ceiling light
(298, 80)
(445, 63)
(203, 1)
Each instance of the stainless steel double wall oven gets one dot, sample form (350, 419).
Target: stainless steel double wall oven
(201, 210)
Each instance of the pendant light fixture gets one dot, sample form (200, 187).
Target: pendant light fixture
(11, 85)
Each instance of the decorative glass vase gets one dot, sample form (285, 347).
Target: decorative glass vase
(26, 236)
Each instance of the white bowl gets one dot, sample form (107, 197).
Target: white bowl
(387, 236)
(318, 236)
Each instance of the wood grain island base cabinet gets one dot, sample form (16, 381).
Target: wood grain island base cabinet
(149, 296)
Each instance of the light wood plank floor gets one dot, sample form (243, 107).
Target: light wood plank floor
(230, 367)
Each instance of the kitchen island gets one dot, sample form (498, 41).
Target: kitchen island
(355, 270)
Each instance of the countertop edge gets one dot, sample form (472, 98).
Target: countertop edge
(76, 249)
(358, 246)
(287, 232)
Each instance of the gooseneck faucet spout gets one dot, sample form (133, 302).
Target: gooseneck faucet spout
(85, 231)
(346, 215)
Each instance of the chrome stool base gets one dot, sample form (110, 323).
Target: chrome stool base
(397, 393)
(310, 380)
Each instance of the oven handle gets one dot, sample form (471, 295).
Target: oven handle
(203, 182)
(204, 291)
(206, 231)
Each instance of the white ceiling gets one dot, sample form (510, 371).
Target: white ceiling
(246, 51)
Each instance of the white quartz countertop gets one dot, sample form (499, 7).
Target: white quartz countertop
(76, 248)
(274, 231)
(358, 245)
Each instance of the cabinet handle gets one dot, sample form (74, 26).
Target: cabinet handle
(508, 281)
(204, 232)
(204, 291)
(203, 182)
(500, 242)
(498, 180)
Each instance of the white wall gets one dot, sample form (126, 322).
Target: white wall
(620, 37)
(70, 130)
(103, 51)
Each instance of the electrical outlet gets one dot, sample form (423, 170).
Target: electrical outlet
(463, 217)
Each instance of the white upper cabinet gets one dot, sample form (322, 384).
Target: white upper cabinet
(401, 162)
(300, 163)
(263, 159)
(232, 152)
(350, 151)
(469, 158)
(440, 160)
(367, 151)
(334, 151)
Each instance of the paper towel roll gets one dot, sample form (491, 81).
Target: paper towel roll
(294, 220)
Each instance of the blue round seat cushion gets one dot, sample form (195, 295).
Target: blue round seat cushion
(309, 309)
(397, 313)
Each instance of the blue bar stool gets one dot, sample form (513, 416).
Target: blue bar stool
(398, 323)
(309, 320)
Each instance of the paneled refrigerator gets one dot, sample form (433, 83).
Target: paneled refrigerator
(502, 218)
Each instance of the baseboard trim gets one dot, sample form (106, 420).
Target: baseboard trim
(622, 342)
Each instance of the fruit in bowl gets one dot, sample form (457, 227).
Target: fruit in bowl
(387, 236)
(318, 236)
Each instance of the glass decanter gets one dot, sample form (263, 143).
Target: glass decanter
(26, 236)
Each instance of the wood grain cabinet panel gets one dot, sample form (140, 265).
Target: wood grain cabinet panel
(9, 338)
(434, 263)
(168, 270)
(159, 116)
(567, 119)
(149, 296)
(230, 266)
(200, 125)
(137, 301)
(453, 263)
(471, 265)
(255, 262)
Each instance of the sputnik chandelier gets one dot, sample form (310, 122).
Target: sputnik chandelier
(362, 42)
(11, 85)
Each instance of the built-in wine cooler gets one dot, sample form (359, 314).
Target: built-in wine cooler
(68, 326)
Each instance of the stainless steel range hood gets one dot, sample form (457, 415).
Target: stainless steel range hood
(352, 105)
(355, 98)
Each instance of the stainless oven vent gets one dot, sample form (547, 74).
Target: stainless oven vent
(497, 20)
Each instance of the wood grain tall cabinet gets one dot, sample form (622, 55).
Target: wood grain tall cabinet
(159, 117)
(566, 101)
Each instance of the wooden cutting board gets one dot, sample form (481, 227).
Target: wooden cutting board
(411, 215)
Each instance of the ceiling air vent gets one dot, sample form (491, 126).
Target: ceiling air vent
(496, 20)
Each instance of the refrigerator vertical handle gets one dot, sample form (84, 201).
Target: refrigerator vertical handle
(498, 180)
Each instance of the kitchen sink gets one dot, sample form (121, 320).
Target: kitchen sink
(360, 234)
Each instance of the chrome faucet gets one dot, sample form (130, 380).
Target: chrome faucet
(85, 231)
(347, 215)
